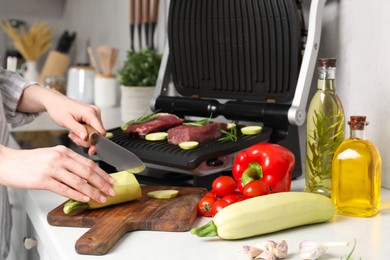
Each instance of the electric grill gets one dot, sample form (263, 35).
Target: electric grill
(248, 62)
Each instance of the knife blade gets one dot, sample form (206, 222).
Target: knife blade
(113, 153)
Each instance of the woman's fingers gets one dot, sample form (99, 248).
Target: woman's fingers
(81, 174)
(66, 191)
(85, 143)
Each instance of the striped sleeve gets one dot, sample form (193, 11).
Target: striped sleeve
(11, 87)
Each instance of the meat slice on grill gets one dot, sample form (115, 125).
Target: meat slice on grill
(162, 122)
(184, 133)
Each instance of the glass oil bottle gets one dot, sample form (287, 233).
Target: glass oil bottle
(356, 179)
(324, 130)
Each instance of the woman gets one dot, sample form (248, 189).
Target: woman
(57, 169)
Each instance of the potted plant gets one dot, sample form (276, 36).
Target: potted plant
(137, 78)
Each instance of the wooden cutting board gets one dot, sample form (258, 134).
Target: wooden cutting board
(108, 225)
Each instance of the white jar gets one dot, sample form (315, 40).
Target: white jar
(80, 84)
(105, 90)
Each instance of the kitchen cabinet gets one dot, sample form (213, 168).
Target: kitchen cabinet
(19, 226)
(22, 228)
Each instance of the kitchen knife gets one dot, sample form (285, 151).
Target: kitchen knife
(114, 154)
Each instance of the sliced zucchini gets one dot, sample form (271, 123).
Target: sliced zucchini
(251, 130)
(163, 194)
(188, 145)
(109, 135)
(157, 136)
(231, 125)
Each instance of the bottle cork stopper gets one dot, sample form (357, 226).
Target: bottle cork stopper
(357, 122)
(326, 62)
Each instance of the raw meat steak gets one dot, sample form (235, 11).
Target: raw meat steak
(163, 122)
(184, 133)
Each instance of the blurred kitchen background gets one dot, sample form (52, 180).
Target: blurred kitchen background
(356, 32)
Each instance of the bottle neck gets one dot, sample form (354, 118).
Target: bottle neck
(326, 79)
(360, 134)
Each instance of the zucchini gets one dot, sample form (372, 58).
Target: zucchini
(109, 135)
(126, 189)
(188, 145)
(267, 214)
(162, 194)
(251, 130)
(156, 136)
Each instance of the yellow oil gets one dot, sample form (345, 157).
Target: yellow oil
(356, 178)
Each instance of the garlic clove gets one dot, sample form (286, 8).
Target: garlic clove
(281, 250)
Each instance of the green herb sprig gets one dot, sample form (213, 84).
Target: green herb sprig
(142, 119)
(229, 135)
(201, 122)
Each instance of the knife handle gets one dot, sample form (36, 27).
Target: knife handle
(139, 12)
(146, 15)
(132, 12)
(91, 132)
(154, 14)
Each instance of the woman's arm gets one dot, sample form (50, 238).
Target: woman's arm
(66, 112)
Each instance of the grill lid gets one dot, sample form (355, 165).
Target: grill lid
(240, 50)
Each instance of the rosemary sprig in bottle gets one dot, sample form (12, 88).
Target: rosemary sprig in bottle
(320, 163)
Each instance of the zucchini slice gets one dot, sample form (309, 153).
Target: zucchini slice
(188, 145)
(157, 136)
(109, 135)
(162, 194)
(251, 130)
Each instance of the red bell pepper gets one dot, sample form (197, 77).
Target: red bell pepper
(269, 162)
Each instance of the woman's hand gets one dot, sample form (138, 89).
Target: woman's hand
(57, 169)
(72, 115)
(66, 112)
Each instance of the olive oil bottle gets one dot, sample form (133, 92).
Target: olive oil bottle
(356, 176)
(324, 130)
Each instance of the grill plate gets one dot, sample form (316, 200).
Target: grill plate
(162, 153)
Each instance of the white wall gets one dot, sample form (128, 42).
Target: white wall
(107, 22)
(99, 21)
(356, 32)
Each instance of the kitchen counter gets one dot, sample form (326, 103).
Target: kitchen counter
(371, 234)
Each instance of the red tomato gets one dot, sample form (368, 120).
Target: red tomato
(256, 188)
(233, 197)
(224, 185)
(211, 194)
(217, 206)
(240, 185)
(205, 205)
